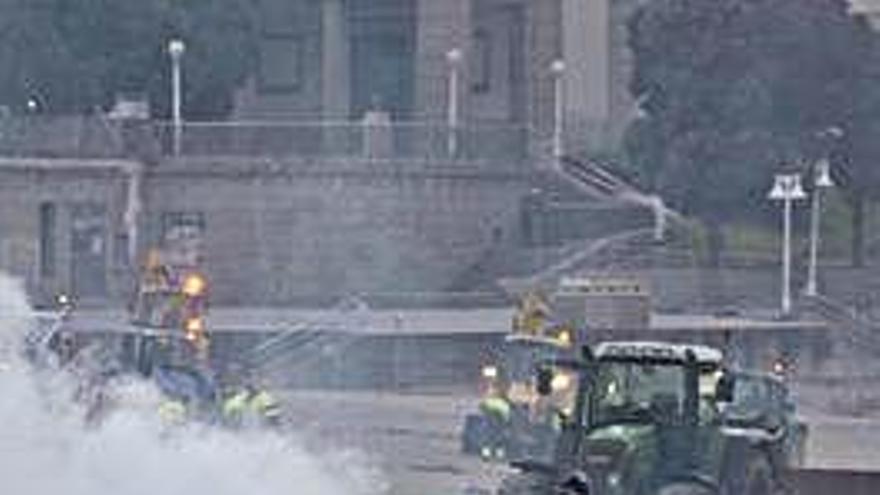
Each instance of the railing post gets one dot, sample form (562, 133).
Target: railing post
(454, 58)
(176, 49)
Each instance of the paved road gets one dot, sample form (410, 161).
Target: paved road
(843, 443)
(415, 438)
(409, 321)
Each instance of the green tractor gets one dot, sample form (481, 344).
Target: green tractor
(658, 419)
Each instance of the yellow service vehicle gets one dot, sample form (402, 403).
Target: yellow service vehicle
(512, 419)
(173, 301)
(168, 341)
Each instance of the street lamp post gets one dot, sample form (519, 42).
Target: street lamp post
(453, 57)
(557, 68)
(821, 180)
(786, 188)
(176, 49)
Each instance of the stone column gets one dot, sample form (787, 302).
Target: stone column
(441, 26)
(335, 76)
(132, 214)
(586, 40)
(544, 45)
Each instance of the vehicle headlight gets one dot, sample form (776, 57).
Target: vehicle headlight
(779, 367)
(564, 338)
(194, 285)
(490, 372)
(561, 381)
(613, 480)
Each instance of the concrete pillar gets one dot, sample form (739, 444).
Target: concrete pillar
(586, 46)
(335, 76)
(441, 26)
(335, 61)
(543, 45)
(133, 208)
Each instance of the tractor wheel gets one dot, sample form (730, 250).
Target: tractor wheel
(475, 434)
(759, 477)
(525, 484)
(685, 489)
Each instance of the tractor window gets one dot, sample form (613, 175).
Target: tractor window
(522, 359)
(158, 309)
(636, 392)
(754, 403)
(750, 394)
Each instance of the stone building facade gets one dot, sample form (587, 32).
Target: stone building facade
(289, 230)
(295, 197)
(62, 227)
(274, 230)
(335, 59)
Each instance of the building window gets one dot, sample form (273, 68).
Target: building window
(121, 250)
(48, 220)
(382, 40)
(182, 223)
(482, 69)
(281, 17)
(281, 64)
(183, 236)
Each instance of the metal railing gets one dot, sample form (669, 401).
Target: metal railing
(60, 137)
(343, 139)
(91, 136)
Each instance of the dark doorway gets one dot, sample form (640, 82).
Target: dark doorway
(88, 260)
(382, 55)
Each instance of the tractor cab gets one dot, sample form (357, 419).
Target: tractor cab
(512, 418)
(649, 418)
(512, 371)
(643, 382)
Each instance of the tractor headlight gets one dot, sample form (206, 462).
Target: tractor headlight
(490, 372)
(561, 381)
(564, 338)
(779, 368)
(194, 285)
(613, 480)
(194, 327)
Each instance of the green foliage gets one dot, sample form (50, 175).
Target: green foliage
(856, 154)
(732, 89)
(73, 56)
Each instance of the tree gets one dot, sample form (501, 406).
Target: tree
(72, 57)
(855, 152)
(730, 89)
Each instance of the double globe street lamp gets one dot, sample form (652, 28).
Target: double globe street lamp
(821, 180)
(787, 188)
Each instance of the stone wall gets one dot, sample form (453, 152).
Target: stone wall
(74, 191)
(275, 231)
(282, 231)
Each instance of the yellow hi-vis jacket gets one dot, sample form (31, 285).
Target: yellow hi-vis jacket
(172, 412)
(497, 407)
(236, 406)
(264, 404)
